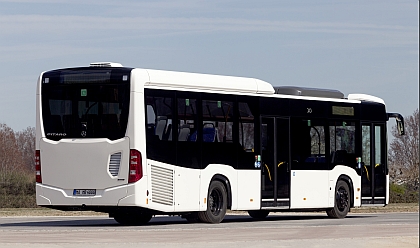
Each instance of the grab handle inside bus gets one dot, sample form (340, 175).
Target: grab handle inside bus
(400, 122)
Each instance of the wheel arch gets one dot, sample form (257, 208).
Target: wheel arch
(223, 179)
(349, 182)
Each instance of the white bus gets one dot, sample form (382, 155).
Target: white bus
(136, 143)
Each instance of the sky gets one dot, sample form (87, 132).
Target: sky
(369, 47)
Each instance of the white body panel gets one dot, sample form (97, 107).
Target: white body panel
(249, 190)
(365, 97)
(56, 196)
(83, 163)
(173, 188)
(316, 189)
(309, 189)
(387, 190)
(205, 82)
(187, 185)
(245, 186)
(338, 171)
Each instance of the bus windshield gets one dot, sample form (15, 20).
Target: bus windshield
(85, 103)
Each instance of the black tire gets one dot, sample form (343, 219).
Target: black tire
(216, 204)
(258, 214)
(133, 219)
(341, 202)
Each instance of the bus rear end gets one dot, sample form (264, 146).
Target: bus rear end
(83, 156)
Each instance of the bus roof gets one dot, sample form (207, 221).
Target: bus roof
(217, 83)
(185, 80)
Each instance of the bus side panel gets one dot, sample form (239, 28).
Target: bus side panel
(334, 174)
(249, 190)
(387, 190)
(206, 176)
(187, 193)
(136, 194)
(309, 189)
(39, 127)
(136, 127)
(161, 186)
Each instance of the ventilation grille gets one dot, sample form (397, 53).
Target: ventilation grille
(162, 185)
(114, 164)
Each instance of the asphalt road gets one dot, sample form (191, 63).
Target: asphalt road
(278, 230)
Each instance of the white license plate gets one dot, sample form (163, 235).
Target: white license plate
(84, 192)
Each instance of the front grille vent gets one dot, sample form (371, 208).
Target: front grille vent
(162, 185)
(114, 164)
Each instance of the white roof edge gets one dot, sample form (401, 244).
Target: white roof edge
(207, 82)
(365, 97)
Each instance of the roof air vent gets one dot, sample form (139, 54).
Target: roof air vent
(302, 91)
(105, 64)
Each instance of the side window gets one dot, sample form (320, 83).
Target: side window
(378, 146)
(366, 145)
(187, 119)
(217, 121)
(151, 116)
(246, 127)
(342, 143)
(317, 134)
(159, 117)
(308, 144)
(159, 127)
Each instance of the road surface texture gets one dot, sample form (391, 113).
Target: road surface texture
(277, 230)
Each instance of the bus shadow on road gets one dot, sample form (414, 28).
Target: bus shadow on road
(245, 218)
(169, 220)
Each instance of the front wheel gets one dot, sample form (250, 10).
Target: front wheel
(341, 202)
(216, 204)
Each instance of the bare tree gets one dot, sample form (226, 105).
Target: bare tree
(10, 157)
(404, 153)
(26, 144)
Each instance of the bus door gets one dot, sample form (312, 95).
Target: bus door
(374, 169)
(275, 171)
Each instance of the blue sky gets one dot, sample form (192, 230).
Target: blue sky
(369, 47)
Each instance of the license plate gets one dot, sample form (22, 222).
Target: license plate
(84, 192)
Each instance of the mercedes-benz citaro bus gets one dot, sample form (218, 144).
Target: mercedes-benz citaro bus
(135, 143)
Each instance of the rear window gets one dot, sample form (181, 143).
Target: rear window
(86, 103)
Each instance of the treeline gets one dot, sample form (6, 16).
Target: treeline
(17, 165)
(403, 158)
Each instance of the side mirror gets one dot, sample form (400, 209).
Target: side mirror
(400, 122)
(400, 126)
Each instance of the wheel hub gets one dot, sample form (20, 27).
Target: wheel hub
(342, 199)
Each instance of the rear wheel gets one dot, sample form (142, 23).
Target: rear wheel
(341, 202)
(258, 214)
(216, 204)
(132, 219)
